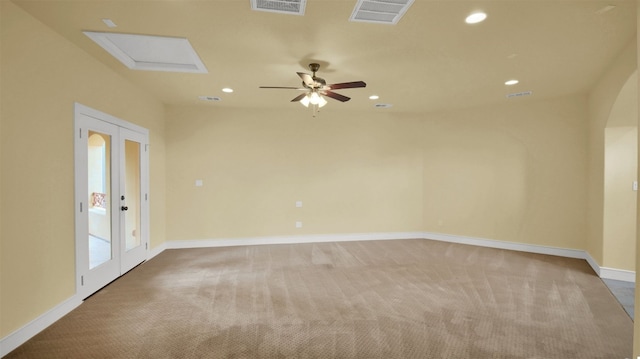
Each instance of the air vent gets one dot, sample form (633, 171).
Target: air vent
(209, 98)
(519, 94)
(151, 53)
(292, 7)
(380, 11)
(382, 105)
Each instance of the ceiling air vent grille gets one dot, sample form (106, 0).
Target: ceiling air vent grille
(293, 7)
(520, 94)
(380, 11)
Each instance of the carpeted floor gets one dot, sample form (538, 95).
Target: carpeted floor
(375, 299)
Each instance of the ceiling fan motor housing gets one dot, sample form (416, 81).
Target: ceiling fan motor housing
(314, 67)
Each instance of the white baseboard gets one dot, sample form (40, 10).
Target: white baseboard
(23, 334)
(157, 250)
(593, 263)
(618, 274)
(313, 238)
(17, 338)
(513, 246)
(602, 272)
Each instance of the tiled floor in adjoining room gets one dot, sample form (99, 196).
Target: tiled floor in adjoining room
(624, 292)
(99, 251)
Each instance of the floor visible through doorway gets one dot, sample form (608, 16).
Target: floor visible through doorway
(624, 293)
(99, 251)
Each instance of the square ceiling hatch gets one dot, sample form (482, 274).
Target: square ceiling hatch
(294, 7)
(380, 11)
(150, 53)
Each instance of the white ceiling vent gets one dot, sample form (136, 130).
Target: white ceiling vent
(520, 94)
(293, 7)
(382, 105)
(380, 11)
(151, 53)
(209, 98)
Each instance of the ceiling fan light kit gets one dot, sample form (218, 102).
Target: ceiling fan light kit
(316, 88)
(313, 99)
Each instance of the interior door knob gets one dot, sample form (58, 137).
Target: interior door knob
(124, 208)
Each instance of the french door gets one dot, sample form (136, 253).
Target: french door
(111, 191)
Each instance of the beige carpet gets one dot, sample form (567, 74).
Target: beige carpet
(377, 299)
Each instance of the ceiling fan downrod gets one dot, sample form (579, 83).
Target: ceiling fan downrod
(314, 67)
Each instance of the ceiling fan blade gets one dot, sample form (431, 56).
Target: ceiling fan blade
(347, 85)
(282, 87)
(306, 78)
(299, 97)
(336, 96)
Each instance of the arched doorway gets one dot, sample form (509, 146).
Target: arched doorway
(620, 193)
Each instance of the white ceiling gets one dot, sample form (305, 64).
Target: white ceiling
(431, 60)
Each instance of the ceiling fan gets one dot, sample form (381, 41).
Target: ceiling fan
(315, 88)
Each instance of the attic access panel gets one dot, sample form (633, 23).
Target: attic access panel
(380, 11)
(293, 7)
(150, 53)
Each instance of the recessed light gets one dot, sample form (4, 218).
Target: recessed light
(475, 18)
(511, 82)
(109, 23)
(374, 97)
(227, 90)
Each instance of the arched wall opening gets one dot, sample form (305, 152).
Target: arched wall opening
(620, 174)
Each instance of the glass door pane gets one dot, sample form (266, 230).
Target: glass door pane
(132, 194)
(99, 192)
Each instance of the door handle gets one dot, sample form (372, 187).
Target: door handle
(124, 208)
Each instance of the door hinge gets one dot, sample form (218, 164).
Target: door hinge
(146, 147)
(80, 206)
(80, 132)
(81, 280)
(146, 246)
(146, 198)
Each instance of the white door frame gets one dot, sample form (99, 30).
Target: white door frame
(122, 262)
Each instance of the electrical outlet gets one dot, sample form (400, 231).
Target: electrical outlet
(198, 183)
(298, 224)
(298, 204)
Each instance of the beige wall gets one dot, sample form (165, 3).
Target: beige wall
(514, 172)
(621, 152)
(601, 100)
(353, 173)
(621, 162)
(42, 76)
(636, 321)
(2, 269)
